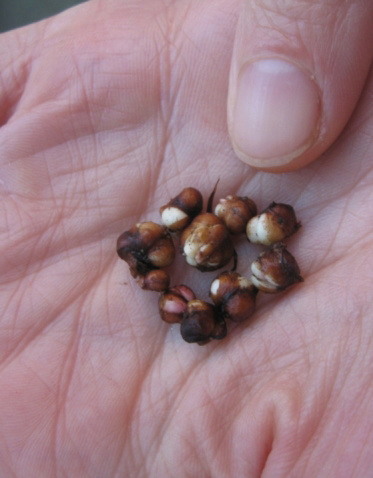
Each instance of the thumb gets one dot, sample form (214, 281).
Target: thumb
(297, 71)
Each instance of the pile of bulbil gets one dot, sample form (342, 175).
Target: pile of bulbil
(206, 243)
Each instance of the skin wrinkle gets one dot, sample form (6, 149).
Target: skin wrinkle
(119, 442)
(300, 7)
(156, 449)
(364, 448)
(29, 338)
(32, 333)
(202, 450)
(76, 249)
(281, 433)
(261, 318)
(219, 445)
(202, 466)
(80, 468)
(246, 465)
(77, 158)
(34, 442)
(188, 447)
(167, 92)
(171, 90)
(346, 422)
(86, 102)
(269, 361)
(65, 86)
(20, 68)
(36, 254)
(355, 178)
(338, 213)
(164, 465)
(123, 432)
(137, 393)
(5, 451)
(13, 326)
(228, 414)
(325, 416)
(177, 403)
(364, 137)
(46, 143)
(161, 134)
(65, 379)
(315, 454)
(293, 26)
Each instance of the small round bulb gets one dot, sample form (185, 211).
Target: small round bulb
(234, 296)
(275, 270)
(206, 243)
(180, 211)
(274, 224)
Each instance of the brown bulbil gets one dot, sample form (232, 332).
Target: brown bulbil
(199, 322)
(274, 224)
(206, 243)
(173, 303)
(235, 212)
(146, 246)
(275, 270)
(157, 280)
(234, 296)
(182, 209)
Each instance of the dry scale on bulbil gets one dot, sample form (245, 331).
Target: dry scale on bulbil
(207, 243)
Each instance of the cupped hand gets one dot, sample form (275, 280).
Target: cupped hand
(108, 110)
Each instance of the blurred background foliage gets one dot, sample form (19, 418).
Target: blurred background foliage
(16, 13)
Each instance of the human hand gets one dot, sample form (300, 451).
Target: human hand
(109, 110)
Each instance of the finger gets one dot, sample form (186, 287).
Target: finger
(297, 72)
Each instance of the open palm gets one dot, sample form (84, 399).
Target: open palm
(113, 111)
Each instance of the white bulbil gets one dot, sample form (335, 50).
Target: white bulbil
(215, 286)
(257, 230)
(220, 208)
(259, 279)
(172, 215)
(260, 284)
(191, 249)
(191, 261)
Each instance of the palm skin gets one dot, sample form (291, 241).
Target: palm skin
(114, 110)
